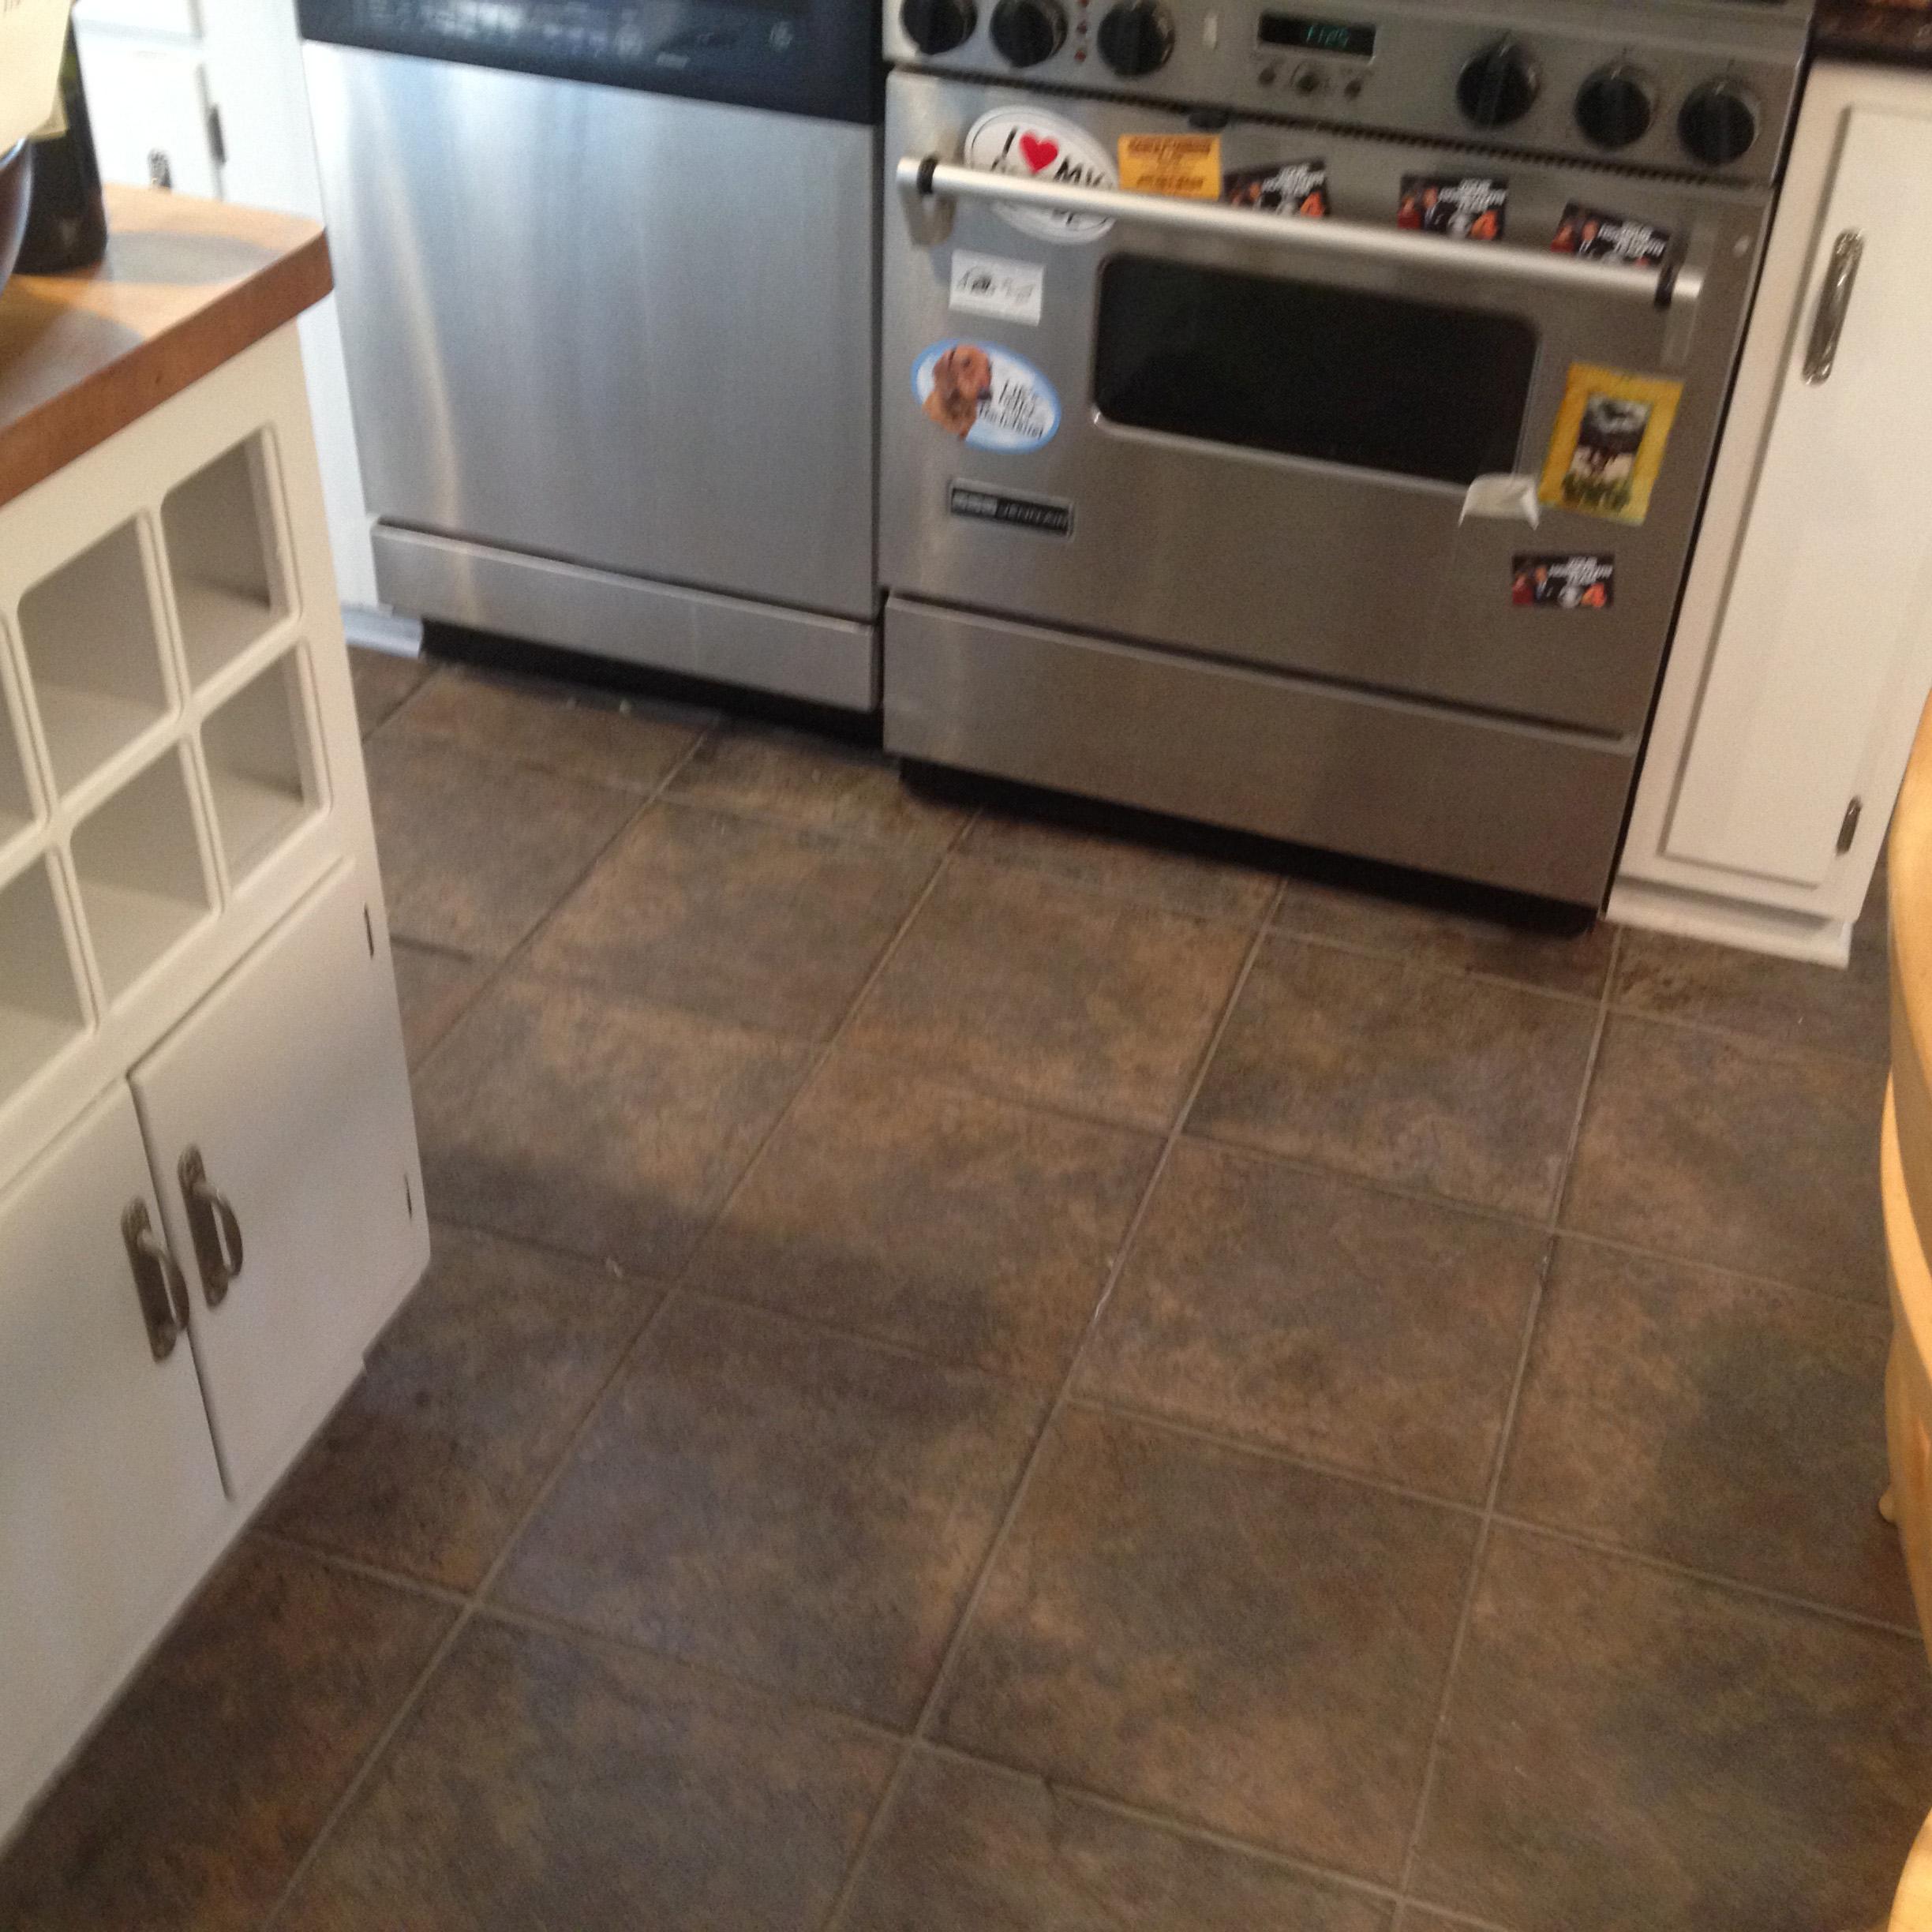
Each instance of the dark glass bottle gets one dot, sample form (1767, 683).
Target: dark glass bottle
(66, 223)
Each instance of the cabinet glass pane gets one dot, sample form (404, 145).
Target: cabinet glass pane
(41, 1009)
(261, 765)
(228, 588)
(93, 651)
(143, 885)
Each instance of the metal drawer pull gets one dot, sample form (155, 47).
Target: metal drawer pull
(1675, 285)
(1834, 300)
(211, 1222)
(158, 1283)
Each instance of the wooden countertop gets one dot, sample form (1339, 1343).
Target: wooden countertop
(186, 285)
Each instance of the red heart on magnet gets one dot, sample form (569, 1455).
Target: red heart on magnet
(1037, 150)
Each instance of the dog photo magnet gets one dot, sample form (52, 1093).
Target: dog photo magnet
(1047, 148)
(987, 397)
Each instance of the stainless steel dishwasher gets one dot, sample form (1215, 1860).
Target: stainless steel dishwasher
(607, 281)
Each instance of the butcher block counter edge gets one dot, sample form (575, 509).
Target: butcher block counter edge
(186, 285)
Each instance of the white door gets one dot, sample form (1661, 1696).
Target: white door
(1818, 674)
(149, 109)
(287, 1082)
(110, 1496)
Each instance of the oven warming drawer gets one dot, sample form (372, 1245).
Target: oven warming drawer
(1517, 805)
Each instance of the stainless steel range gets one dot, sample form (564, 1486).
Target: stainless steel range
(1298, 418)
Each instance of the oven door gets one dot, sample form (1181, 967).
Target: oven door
(1225, 438)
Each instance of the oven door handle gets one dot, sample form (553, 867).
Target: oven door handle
(1675, 286)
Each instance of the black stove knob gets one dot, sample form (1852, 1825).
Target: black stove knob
(1137, 37)
(1615, 106)
(1028, 31)
(1499, 85)
(937, 26)
(1718, 122)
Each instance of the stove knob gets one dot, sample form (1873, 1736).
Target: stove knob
(1615, 106)
(1137, 37)
(1718, 122)
(1028, 31)
(1499, 85)
(937, 26)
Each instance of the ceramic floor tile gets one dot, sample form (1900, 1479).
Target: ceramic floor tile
(191, 1805)
(547, 1783)
(1788, 1001)
(1130, 868)
(803, 1511)
(432, 989)
(765, 925)
(967, 1847)
(594, 1125)
(1735, 1152)
(632, 743)
(1320, 1317)
(384, 682)
(1728, 1424)
(1218, 1637)
(469, 1400)
(476, 850)
(973, 1230)
(1015, 983)
(1386, 1070)
(1625, 1747)
(1447, 936)
(823, 784)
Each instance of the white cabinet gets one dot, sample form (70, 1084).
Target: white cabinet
(1804, 649)
(277, 1115)
(198, 1020)
(109, 1491)
(151, 115)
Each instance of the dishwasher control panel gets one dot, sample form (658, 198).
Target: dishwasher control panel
(816, 56)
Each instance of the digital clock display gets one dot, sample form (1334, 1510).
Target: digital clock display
(1318, 36)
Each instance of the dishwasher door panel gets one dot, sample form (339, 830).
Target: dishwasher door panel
(607, 326)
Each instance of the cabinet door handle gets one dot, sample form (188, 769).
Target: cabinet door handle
(211, 1222)
(158, 1283)
(1834, 300)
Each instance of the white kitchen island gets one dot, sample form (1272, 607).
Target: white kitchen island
(210, 1200)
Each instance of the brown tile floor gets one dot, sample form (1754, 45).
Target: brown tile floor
(1459, 1513)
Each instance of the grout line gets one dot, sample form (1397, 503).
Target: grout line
(379, 1750)
(1432, 1765)
(1778, 1048)
(1408, 956)
(547, 1624)
(1159, 1821)
(357, 1566)
(963, 1623)
(1269, 1452)
(502, 970)
(1601, 1545)
(1143, 902)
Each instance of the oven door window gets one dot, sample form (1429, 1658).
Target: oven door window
(1375, 382)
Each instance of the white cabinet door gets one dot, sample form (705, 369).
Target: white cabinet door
(109, 1497)
(288, 1083)
(149, 108)
(1818, 669)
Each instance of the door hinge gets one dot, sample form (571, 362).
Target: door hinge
(218, 142)
(1848, 831)
(368, 929)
